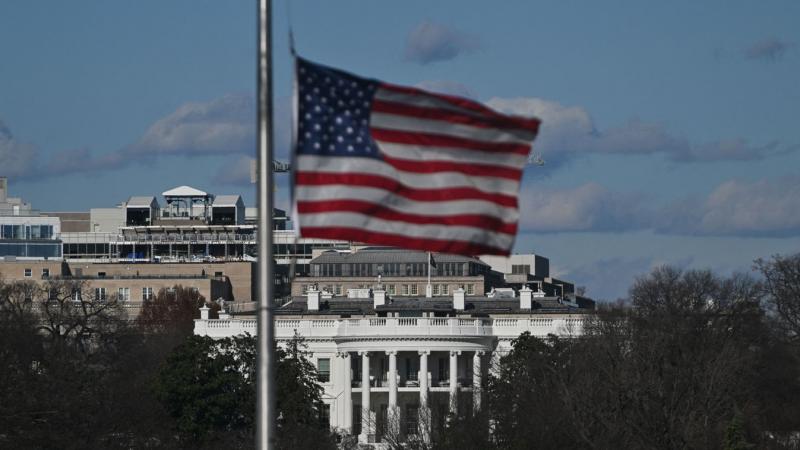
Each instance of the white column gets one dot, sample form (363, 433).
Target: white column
(423, 377)
(393, 418)
(424, 411)
(348, 392)
(476, 381)
(453, 380)
(392, 378)
(366, 419)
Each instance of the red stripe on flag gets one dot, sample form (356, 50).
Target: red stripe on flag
(382, 212)
(520, 122)
(438, 140)
(396, 240)
(392, 185)
(480, 170)
(447, 115)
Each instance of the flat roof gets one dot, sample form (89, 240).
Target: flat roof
(141, 201)
(227, 200)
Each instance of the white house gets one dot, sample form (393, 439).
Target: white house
(402, 362)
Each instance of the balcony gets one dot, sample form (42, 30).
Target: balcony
(396, 327)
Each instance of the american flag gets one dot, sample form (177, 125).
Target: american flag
(390, 165)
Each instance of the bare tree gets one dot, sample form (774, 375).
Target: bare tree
(782, 286)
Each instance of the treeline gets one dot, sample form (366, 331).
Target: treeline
(76, 373)
(691, 360)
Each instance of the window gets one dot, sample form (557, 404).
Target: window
(435, 289)
(413, 289)
(100, 294)
(405, 289)
(324, 369)
(124, 294)
(45, 273)
(218, 274)
(411, 422)
(392, 289)
(28, 273)
(337, 290)
(445, 289)
(147, 293)
(520, 269)
(470, 289)
(325, 415)
(101, 274)
(76, 295)
(444, 369)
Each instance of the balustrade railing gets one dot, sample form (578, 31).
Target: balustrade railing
(397, 326)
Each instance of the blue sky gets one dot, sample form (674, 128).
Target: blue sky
(669, 128)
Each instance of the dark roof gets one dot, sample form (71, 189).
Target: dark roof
(389, 255)
(472, 305)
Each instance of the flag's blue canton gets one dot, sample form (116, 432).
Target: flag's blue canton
(333, 112)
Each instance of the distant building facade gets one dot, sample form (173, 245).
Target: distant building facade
(404, 273)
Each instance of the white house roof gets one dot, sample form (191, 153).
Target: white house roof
(184, 191)
(227, 200)
(141, 201)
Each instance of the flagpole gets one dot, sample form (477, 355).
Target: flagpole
(428, 288)
(265, 360)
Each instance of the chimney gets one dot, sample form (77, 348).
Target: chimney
(3, 189)
(378, 297)
(204, 312)
(313, 299)
(458, 299)
(525, 298)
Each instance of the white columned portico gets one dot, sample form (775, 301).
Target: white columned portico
(454, 380)
(366, 412)
(393, 411)
(348, 392)
(477, 375)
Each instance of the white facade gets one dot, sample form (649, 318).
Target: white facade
(407, 368)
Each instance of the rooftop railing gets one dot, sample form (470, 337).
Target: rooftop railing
(395, 326)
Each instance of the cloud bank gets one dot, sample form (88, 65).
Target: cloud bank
(430, 42)
(589, 207)
(767, 50)
(762, 208)
(17, 159)
(568, 132)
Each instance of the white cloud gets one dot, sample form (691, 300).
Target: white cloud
(768, 50)
(17, 159)
(768, 207)
(221, 126)
(589, 207)
(430, 42)
(569, 131)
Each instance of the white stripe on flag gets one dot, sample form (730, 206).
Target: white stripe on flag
(457, 155)
(370, 166)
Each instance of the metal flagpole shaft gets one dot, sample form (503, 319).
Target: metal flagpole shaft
(265, 370)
